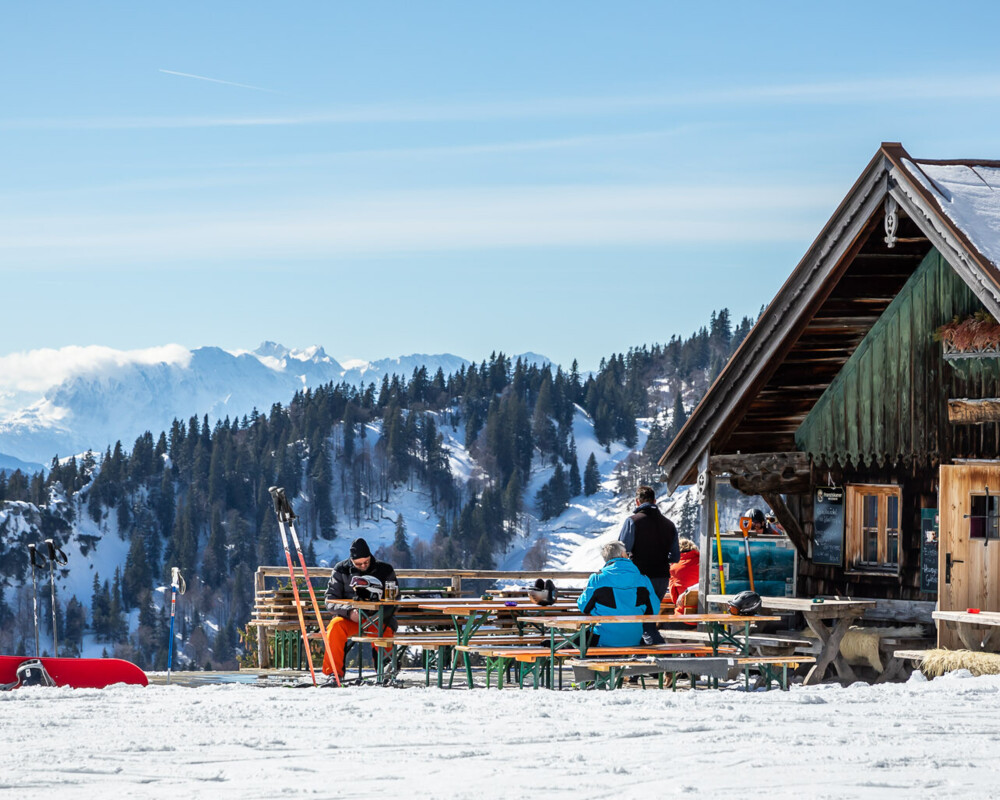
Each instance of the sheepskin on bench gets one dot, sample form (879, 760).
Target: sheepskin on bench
(860, 645)
(936, 663)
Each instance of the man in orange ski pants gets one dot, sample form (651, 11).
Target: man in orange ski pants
(360, 577)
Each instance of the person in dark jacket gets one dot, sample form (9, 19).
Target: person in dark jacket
(618, 589)
(360, 577)
(651, 542)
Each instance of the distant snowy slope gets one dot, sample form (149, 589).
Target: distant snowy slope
(403, 366)
(9, 464)
(83, 398)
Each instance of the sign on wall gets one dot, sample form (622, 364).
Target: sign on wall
(828, 526)
(929, 550)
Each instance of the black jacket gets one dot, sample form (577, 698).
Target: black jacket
(349, 583)
(652, 540)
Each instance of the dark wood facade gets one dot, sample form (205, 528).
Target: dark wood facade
(843, 369)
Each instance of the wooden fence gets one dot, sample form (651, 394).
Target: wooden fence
(449, 583)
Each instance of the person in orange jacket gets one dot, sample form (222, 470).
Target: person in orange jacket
(684, 573)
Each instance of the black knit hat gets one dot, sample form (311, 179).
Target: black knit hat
(360, 549)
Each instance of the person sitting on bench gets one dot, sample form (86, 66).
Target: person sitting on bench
(618, 589)
(360, 577)
(684, 577)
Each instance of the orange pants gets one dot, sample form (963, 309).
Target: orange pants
(338, 632)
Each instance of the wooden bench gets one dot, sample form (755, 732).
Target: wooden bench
(898, 655)
(762, 642)
(437, 646)
(771, 668)
(534, 660)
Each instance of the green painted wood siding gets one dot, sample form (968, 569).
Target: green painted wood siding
(889, 402)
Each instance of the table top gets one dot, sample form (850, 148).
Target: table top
(458, 606)
(430, 603)
(373, 605)
(829, 607)
(991, 618)
(583, 621)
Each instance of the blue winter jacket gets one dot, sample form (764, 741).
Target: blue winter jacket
(619, 589)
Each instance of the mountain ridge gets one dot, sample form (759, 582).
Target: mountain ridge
(93, 408)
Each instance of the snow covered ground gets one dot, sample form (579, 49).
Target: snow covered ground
(916, 739)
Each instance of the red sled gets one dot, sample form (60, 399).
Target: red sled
(79, 673)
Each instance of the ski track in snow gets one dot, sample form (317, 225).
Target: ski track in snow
(864, 741)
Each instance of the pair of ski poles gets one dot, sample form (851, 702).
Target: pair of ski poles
(56, 556)
(283, 510)
(745, 527)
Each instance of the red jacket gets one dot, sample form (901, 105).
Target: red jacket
(684, 573)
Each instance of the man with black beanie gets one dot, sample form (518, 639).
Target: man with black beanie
(360, 577)
(651, 542)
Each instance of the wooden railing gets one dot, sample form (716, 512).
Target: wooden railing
(450, 584)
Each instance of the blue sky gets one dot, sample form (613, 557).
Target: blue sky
(566, 178)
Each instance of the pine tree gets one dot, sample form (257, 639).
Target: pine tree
(677, 417)
(401, 554)
(575, 486)
(591, 477)
(137, 574)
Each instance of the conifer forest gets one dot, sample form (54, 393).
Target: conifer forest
(195, 496)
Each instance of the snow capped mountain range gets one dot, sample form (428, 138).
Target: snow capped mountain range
(63, 402)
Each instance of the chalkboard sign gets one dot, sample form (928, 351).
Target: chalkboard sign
(929, 550)
(828, 526)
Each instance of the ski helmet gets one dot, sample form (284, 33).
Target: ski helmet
(756, 516)
(745, 604)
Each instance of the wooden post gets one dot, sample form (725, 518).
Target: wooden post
(263, 656)
(707, 527)
(456, 585)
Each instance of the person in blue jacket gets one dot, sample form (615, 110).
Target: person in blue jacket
(618, 589)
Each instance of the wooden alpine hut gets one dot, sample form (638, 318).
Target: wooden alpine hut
(864, 406)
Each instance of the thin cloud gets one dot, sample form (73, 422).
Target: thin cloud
(885, 91)
(217, 80)
(479, 148)
(425, 221)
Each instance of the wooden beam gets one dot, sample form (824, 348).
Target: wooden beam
(772, 482)
(707, 528)
(788, 521)
(788, 464)
(965, 411)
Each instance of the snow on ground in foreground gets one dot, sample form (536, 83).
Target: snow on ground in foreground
(916, 739)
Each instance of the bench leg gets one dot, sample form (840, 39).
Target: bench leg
(894, 669)
(831, 650)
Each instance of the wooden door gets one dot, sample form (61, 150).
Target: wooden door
(969, 551)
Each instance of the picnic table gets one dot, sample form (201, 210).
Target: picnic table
(815, 611)
(574, 631)
(469, 615)
(976, 630)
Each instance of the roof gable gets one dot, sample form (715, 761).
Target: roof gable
(843, 284)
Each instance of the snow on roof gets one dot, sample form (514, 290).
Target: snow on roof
(969, 194)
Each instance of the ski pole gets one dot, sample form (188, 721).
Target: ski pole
(283, 508)
(295, 587)
(718, 552)
(746, 548)
(34, 594)
(56, 556)
(177, 585)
